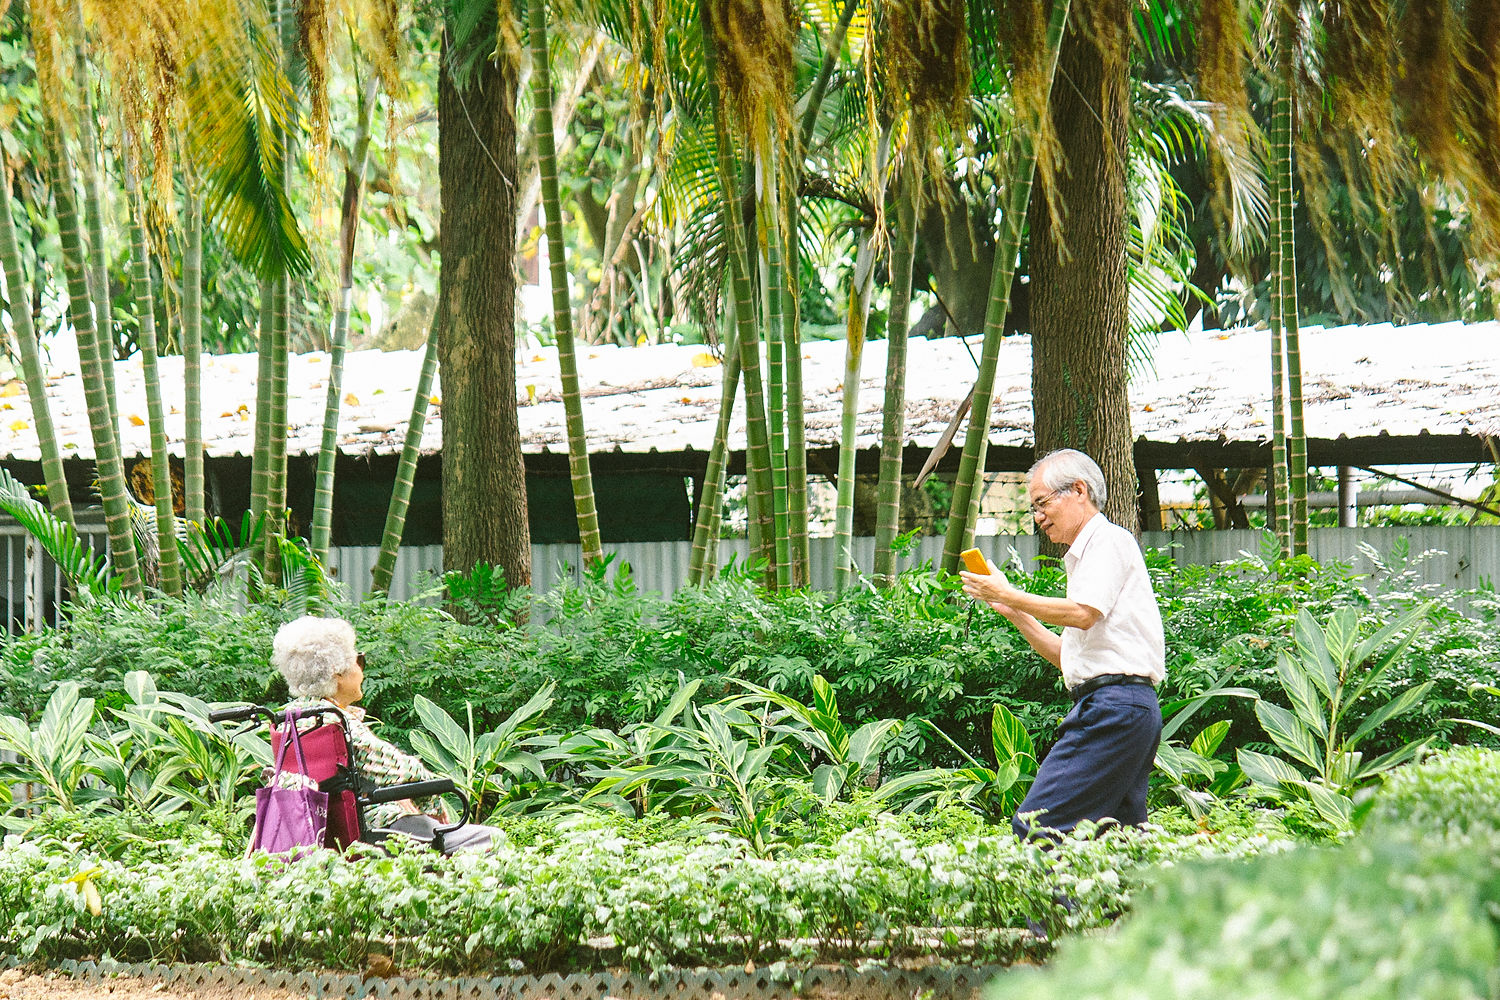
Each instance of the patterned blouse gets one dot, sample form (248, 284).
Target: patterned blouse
(382, 762)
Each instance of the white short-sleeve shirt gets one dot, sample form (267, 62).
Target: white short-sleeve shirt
(1106, 572)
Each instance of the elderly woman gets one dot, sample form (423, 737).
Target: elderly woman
(317, 656)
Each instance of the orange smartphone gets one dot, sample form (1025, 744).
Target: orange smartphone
(975, 562)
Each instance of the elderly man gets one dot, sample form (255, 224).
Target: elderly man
(1111, 652)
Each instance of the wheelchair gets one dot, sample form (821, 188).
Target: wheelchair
(332, 763)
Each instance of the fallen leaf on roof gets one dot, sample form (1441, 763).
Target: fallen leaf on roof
(1149, 408)
(6, 406)
(531, 394)
(12, 388)
(704, 360)
(351, 400)
(137, 421)
(435, 400)
(538, 357)
(687, 399)
(376, 428)
(19, 425)
(69, 444)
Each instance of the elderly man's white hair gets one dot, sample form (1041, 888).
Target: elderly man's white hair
(1060, 469)
(311, 652)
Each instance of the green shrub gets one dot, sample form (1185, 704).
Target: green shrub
(672, 892)
(1409, 910)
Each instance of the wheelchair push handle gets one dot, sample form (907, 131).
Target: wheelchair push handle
(241, 713)
(412, 790)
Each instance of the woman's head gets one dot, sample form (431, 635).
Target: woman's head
(312, 653)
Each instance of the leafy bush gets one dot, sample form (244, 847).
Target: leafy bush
(876, 891)
(918, 651)
(1411, 910)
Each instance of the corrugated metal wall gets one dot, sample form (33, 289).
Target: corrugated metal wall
(1456, 556)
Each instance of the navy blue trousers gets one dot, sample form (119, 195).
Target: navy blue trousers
(1099, 766)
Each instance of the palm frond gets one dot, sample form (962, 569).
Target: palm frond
(213, 549)
(86, 572)
(239, 102)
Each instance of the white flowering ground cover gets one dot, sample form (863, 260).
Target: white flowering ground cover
(585, 896)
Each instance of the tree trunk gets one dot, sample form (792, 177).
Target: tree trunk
(1079, 321)
(484, 477)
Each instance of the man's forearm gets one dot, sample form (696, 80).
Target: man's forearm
(1053, 610)
(1046, 642)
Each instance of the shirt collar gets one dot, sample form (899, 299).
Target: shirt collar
(1085, 535)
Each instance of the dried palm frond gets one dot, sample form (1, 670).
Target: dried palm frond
(1022, 32)
(1358, 67)
(1479, 72)
(925, 62)
(1235, 142)
(754, 41)
(1427, 86)
(312, 39)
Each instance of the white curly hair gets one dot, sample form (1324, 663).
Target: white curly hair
(311, 652)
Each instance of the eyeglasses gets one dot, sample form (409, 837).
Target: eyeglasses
(1038, 506)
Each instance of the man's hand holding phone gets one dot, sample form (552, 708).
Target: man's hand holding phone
(984, 581)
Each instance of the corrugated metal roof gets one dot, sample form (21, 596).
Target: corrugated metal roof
(1358, 381)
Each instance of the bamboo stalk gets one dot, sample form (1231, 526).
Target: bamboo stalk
(579, 470)
(1283, 260)
(1018, 195)
(791, 330)
(854, 349)
(169, 569)
(195, 506)
(276, 464)
(701, 565)
(406, 470)
(58, 500)
(773, 288)
(93, 204)
(101, 422)
(893, 431)
(757, 452)
(1291, 340)
(260, 461)
(354, 181)
(796, 424)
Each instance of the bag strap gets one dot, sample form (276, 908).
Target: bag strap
(292, 736)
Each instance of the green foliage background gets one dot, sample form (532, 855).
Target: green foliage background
(917, 651)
